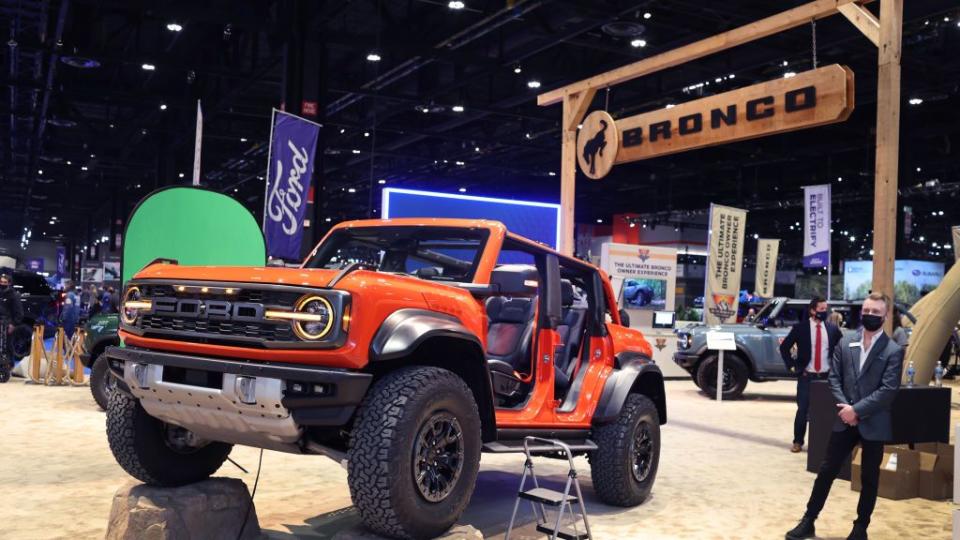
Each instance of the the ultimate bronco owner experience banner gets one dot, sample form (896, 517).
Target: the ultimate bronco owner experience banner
(293, 144)
(724, 264)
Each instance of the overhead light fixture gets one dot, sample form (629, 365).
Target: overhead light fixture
(381, 181)
(456, 4)
(40, 172)
(462, 190)
(84, 168)
(457, 108)
(599, 220)
(148, 67)
(789, 74)
(918, 169)
(915, 101)
(647, 15)
(181, 175)
(93, 156)
(355, 151)
(639, 43)
(785, 63)
(476, 148)
(459, 163)
(69, 162)
(517, 69)
(366, 133)
(551, 173)
(243, 139)
(343, 130)
(533, 83)
(174, 27)
(373, 57)
(352, 190)
(163, 106)
(670, 106)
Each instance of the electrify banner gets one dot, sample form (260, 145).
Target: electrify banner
(293, 145)
(724, 264)
(816, 226)
(767, 250)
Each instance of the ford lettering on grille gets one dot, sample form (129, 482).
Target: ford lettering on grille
(209, 309)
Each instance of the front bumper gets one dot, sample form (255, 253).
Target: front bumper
(203, 394)
(686, 359)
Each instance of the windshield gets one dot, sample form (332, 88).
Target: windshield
(435, 253)
(766, 310)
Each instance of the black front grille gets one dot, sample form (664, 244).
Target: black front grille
(278, 298)
(212, 327)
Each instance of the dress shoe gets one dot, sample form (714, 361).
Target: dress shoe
(859, 532)
(804, 529)
(796, 448)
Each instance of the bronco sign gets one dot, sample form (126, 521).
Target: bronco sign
(813, 98)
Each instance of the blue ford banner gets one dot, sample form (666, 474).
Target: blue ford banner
(61, 261)
(816, 230)
(293, 144)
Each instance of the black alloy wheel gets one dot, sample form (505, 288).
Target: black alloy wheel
(643, 451)
(438, 456)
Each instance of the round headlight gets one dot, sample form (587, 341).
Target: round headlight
(129, 309)
(321, 321)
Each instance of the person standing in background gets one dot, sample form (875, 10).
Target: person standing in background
(815, 339)
(71, 309)
(864, 379)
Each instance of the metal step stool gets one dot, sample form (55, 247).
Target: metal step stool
(540, 497)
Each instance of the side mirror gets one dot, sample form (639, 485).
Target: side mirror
(624, 318)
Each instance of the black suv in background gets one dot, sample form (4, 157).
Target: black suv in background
(40, 304)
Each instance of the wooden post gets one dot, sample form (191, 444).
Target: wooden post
(888, 144)
(574, 108)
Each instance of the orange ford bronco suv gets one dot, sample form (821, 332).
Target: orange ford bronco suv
(403, 348)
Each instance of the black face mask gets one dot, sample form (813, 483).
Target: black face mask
(822, 315)
(4, 287)
(872, 322)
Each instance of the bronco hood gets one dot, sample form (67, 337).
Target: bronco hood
(308, 277)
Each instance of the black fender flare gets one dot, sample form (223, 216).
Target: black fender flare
(415, 333)
(635, 373)
(100, 345)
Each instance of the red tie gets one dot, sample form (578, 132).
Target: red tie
(816, 356)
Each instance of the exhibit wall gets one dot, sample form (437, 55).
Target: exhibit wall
(911, 279)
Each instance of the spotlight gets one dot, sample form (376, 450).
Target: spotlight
(639, 43)
(352, 190)
(373, 57)
(181, 175)
(462, 190)
(517, 69)
(456, 4)
(148, 67)
(915, 101)
(647, 15)
(533, 83)
(243, 139)
(789, 74)
(174, 27)
(599, 220)
(457, 108)
(163, 106)
(381, 181)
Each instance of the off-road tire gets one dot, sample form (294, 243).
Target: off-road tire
(138, 443)
(380, 457)
(707, 376)
(611, 464)
(101, 381)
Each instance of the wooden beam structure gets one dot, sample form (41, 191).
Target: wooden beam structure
(865, 21)
(577, 97)
(888, 147)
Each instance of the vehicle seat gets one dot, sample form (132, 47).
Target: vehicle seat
(571, 335)
(509, 332)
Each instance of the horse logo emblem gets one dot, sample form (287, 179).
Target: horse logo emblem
(597, 144)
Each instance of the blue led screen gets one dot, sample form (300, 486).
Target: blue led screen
(534, 220)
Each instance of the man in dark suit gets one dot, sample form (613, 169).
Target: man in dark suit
(816, 340)
(864, 379)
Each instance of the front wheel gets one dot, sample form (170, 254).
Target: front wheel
(155, 452)
(414, 453)
(735, 376)
(624, 465)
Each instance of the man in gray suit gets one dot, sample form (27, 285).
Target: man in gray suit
(864, 378)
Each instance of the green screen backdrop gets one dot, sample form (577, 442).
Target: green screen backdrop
(195, 227)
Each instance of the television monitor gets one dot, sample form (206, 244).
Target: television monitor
(664, 319)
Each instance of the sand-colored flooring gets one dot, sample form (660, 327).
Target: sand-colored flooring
(725, 472)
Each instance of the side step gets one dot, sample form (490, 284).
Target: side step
(516, 447)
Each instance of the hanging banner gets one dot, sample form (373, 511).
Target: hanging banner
(293, 144)
(61, 261)
(809, 99)
(644, 277)
(956, 241)
(816, 227)
(767, 250)
(724, 264)
(196, 146)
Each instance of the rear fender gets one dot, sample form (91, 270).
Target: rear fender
(428, 338)
(636, 375)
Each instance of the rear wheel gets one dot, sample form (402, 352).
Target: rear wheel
(624, 465)
(735, 376)
(414, 453)
(155, 452)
